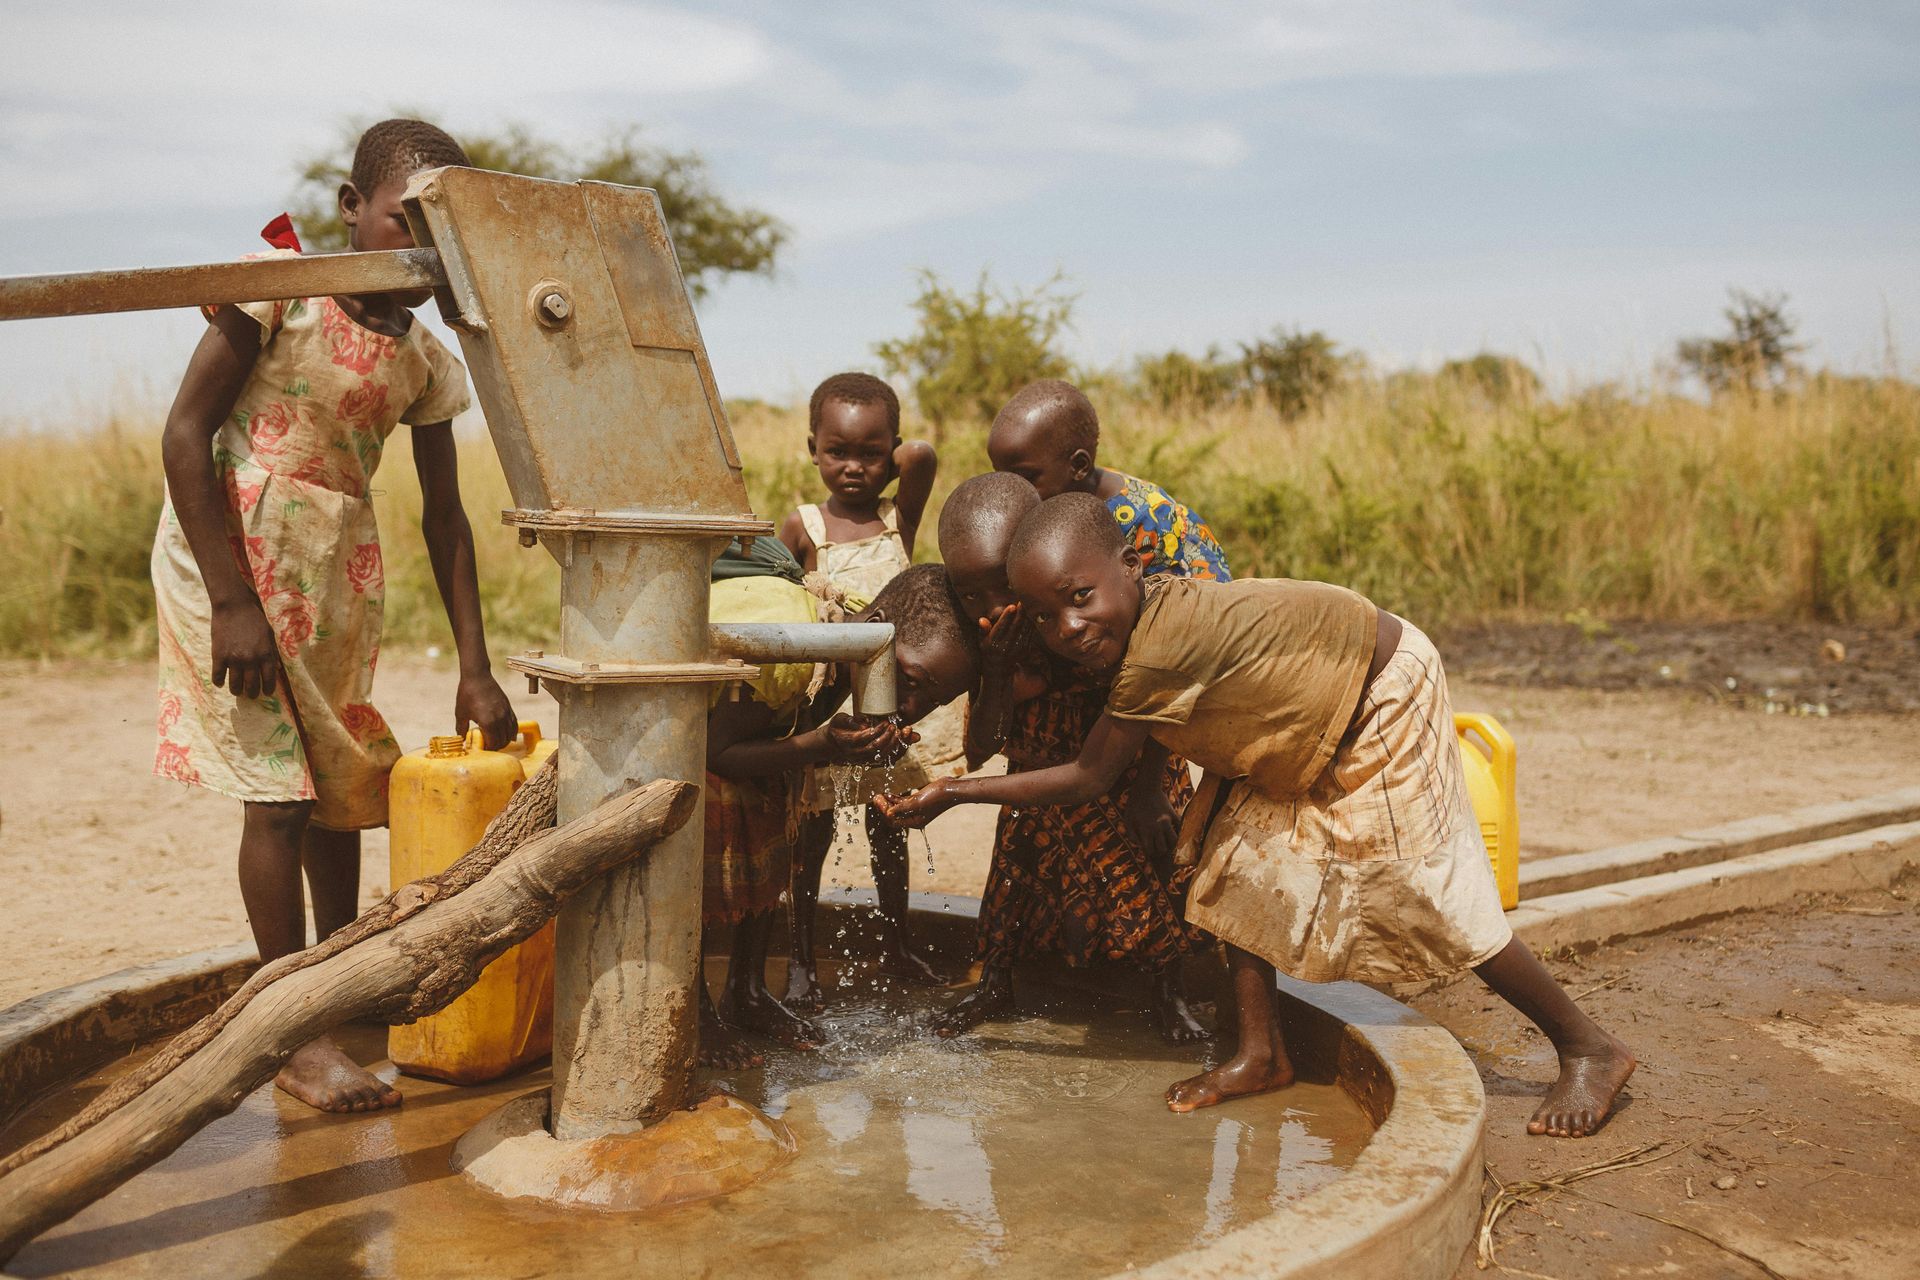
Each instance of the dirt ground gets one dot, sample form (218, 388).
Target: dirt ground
(108, 866)
(1779, 1089)
(1779, 668)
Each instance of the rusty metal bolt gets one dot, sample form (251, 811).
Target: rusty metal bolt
(555, 307)
(528, 537)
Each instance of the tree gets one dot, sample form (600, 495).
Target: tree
(1499, 378)
(711, 237)
(1295, 371)
(970, 351)
(1758, 352)
(1176, 380)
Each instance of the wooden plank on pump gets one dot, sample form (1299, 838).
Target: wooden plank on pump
(209, 284)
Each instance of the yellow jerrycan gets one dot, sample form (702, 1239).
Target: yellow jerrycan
(1487, 756)
(440, 801)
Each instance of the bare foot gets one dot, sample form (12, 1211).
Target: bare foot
(1243, 1074)
(1177, 1023)
(321, 1075)
(763, 1014)
(902, 963)
(1582, 1098)
(722, 1049)
(993, 998)
(804, 993)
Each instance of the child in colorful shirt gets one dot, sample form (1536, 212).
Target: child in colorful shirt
(268, 577)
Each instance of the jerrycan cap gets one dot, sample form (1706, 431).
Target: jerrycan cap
(446, 746)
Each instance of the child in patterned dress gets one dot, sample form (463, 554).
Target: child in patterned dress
(859, 539)
(268, 582)
(1088, 882)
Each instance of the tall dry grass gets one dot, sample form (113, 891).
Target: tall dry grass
(1422, 493)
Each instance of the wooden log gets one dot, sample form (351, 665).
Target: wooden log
(530, 810)
(429, 955)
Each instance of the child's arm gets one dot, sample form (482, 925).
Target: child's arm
(245, 657)
(443, 522)
(793, 532)
(1110, 748)
(1149, 814)
(990, 714)
(741, 741)
(915, 462)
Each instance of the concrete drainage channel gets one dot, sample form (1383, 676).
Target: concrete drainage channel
(1581, 900)
(1407, 1205)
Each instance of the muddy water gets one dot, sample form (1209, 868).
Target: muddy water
(1037, 1146)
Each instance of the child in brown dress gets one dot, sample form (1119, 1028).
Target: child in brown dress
(1333, 834)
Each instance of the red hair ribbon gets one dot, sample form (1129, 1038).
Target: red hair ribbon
(280, 234)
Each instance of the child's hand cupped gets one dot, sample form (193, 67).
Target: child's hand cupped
(865, 739)
(918, 809)
(480, 700)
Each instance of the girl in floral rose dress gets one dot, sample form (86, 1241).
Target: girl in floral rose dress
(267, 575)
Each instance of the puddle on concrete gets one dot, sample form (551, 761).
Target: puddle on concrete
(1036, 1146)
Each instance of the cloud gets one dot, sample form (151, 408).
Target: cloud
(172, 102)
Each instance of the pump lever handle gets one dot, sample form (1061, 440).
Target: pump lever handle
(82, 293)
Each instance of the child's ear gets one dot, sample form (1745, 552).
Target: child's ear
(1130, 557)
(351, 202)
(810, 447)
(1080, 463)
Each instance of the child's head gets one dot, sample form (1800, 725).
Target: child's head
(935, 651)
(976, 529)
(1049, 436)
(1078, 579)
(389, 154)
(853, 427)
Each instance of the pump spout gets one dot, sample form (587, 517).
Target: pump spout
(867, 645)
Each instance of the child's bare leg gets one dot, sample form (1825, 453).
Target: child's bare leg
(809, 861)
(721, 1047)
(1594, 1065)
(746, 1002)
(992, 998)
(1260, 1061)
(273, 841)
(1177, 1023)
(332, 862)
(889, 845)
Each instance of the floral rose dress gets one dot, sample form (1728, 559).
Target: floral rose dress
(296, 460)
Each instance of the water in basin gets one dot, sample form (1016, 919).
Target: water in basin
(1035, 1146)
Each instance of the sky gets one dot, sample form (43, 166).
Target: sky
(1577, 184)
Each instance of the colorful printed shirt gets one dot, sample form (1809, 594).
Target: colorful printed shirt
(296, 460)
(1169, 537)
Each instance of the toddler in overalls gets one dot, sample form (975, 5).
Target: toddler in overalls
(860, 540)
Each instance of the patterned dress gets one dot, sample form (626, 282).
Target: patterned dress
(296, 460)
(1070, 880)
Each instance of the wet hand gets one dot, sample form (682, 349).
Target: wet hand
(1151, 822)
(480, 700)
(918, 809)
(246, 658)
(1000, 640)
(862, 739)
